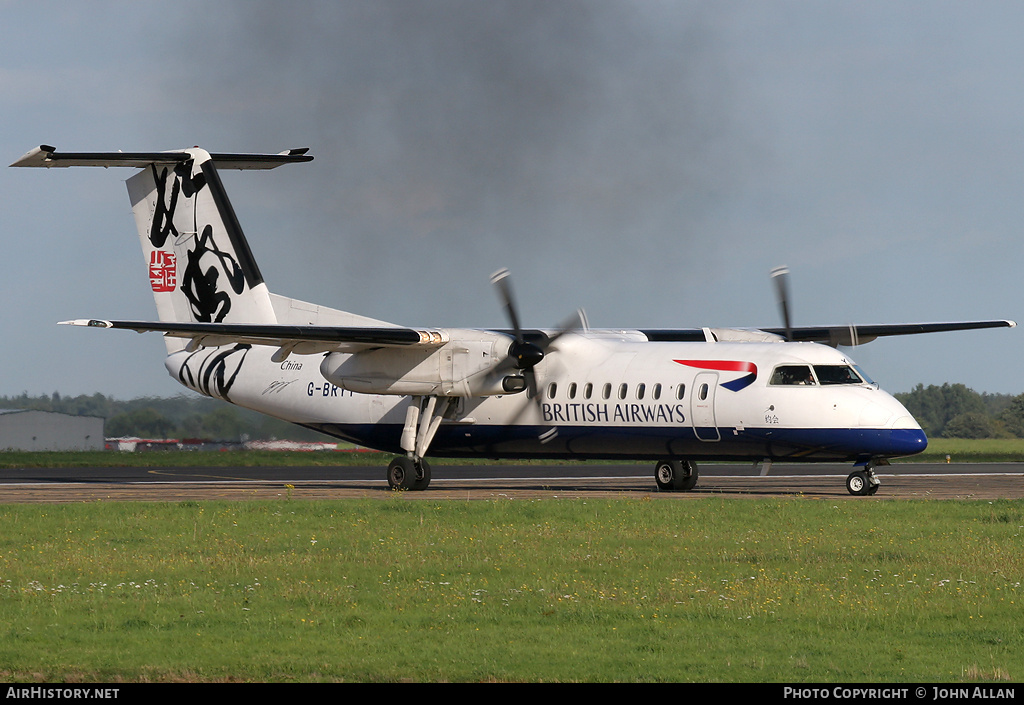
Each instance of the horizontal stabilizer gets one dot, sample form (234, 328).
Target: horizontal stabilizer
(47, 156)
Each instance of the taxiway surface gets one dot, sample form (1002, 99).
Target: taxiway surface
(903, 481)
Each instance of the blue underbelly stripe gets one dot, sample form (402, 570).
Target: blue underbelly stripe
(582, 442)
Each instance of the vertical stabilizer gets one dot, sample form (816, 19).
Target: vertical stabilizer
(200, 266)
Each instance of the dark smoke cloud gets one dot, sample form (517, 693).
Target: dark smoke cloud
(563, 139)
(650, 160)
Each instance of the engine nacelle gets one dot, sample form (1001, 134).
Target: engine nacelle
(466, 366)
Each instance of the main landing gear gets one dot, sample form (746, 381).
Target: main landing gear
(404, 473)
(422, 419)
(863, 482)
(676, 475)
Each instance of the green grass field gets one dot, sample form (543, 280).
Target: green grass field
(513, 590)
(984, 450)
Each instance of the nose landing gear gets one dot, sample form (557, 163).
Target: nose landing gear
(863, 482)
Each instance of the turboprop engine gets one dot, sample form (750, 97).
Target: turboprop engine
(472, 363)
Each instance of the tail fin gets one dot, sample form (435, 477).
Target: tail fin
(200, 266)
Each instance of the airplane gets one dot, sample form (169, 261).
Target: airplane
(672, 396)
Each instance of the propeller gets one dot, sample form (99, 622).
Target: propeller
(781, 277)
(523, 354)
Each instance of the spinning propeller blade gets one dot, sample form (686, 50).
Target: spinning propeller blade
(523, 354)
(781, 277)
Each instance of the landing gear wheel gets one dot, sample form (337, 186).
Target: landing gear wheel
(422, 475)
(665, 473)
(689, 480)
(857, 483)
(402, 474)
(675, 475)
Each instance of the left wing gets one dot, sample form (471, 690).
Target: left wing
(303, 340)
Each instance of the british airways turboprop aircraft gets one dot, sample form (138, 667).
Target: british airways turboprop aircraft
(673, 396)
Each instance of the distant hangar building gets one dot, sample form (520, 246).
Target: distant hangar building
(24, 429)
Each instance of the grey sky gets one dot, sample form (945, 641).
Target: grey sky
(648, 161)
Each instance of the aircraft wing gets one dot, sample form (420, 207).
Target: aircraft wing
(299, 339)
(860, 334)
(314, 339)
(830, 335)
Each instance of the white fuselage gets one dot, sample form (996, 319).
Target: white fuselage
(608, 395)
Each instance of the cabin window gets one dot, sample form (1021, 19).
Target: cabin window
(623, 388)
(657, 391)
(606, 392)
(572, 390)
(552, 388)
(837, 374)
(792, 375)
(588, 390)
(641, 389)
(702, 392)
(680, 391)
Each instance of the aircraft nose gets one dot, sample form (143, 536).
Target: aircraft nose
(879, 414)
(904, 436)
(907, 441)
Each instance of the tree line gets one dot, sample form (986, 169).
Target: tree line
(180, 417)
(956, 411)
(949, 411)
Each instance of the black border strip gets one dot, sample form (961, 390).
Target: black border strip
(251, 271)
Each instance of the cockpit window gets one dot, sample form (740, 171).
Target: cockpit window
(792, 375)
(837, 374)
(863, 375)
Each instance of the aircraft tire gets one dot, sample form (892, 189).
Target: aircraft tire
(857, 483)
(421, 475)
(665, 474)
(402, 474)
(675, 475)
(689, 481)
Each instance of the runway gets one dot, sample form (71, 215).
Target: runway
(982, 481)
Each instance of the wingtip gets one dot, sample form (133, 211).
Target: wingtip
(87, 322)
(36, 157)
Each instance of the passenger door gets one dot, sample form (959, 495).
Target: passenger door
(702, 406)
